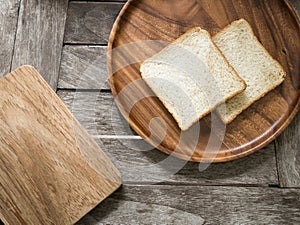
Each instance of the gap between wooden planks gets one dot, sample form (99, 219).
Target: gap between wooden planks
(192, 204)
(287, 146)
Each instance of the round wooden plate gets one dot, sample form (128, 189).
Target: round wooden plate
(144, 27)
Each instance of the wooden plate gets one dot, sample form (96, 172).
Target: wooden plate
(275, 24)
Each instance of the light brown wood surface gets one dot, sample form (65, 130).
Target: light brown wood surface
(52, 171)
(225, 201)
(274, 23)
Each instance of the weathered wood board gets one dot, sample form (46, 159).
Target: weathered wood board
(8, 24)
(163, 204)
(98, 114)
(52, 171)
(90, 22)
(83, 67)
(39, 37)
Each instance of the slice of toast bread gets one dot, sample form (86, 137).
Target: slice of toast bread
(252, 62)
(191, 77)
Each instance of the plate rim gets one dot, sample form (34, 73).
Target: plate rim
(216, 159)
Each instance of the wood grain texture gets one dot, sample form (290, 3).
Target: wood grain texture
(132, 156)
(296, 5)
(140, 164)
(83, 67)
(288, 147)
(8, 24)
(77, 57)
(39, 38)
(101, 1)
(97, 112)
(216, 205)
(288, 155)
(131, 212)
(90, 22)
(171, 204)
(52, 171)
(254, 128)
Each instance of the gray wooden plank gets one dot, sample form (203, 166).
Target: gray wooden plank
(96, 111)
(8, 26)
(140, 163)
(215, 205)
(288, 146)
(296, 5)
(90, 22)
(39, 38)
(137, 160)
(288, 155)
(131, 212)
(83, 67)
(85, 24)
(99, 1)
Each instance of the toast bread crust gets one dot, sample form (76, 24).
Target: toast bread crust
(205, 113)
(270, 88)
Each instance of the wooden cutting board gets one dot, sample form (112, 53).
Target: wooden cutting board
(144, 27)
(51, 170)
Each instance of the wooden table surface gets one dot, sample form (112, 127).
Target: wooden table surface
(66, 41)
